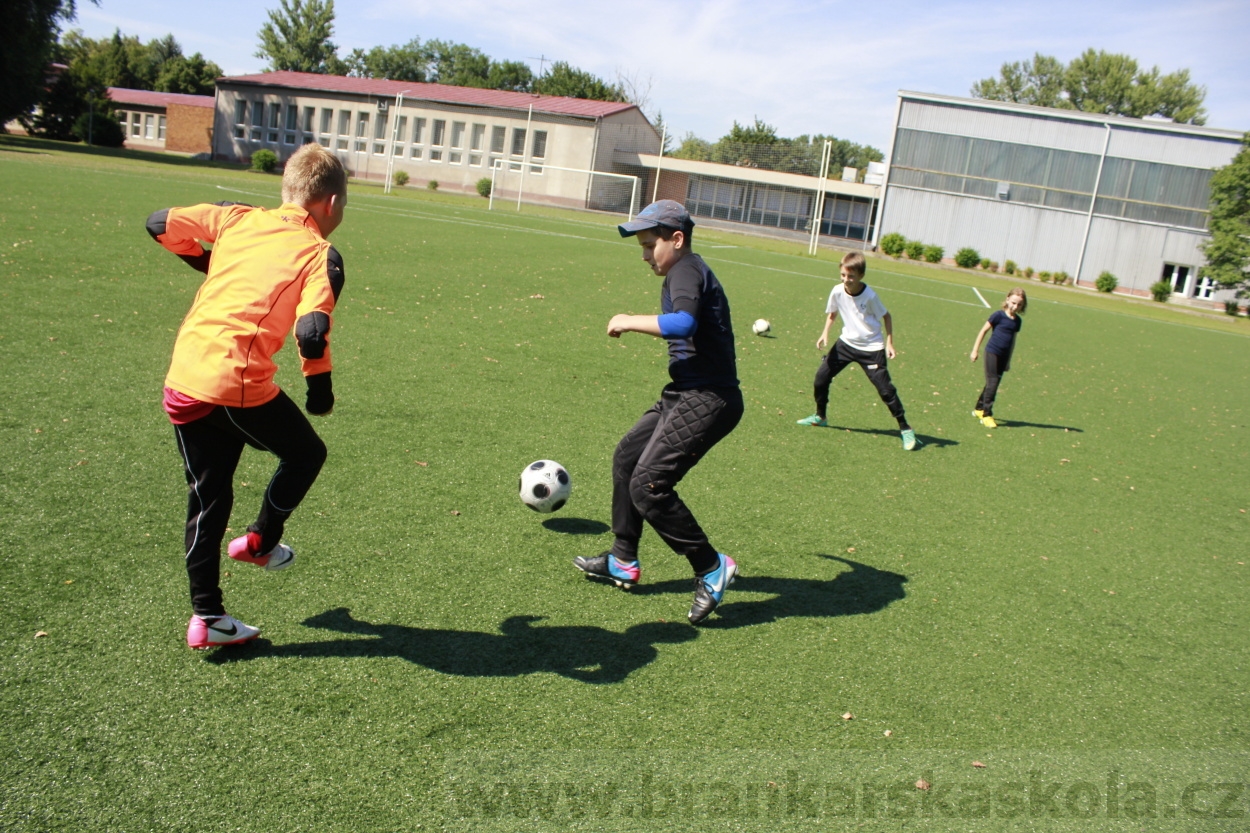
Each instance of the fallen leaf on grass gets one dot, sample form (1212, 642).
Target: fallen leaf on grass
(922, 784)
(1064, 460)
(848, 716)
(887, 733)
(69, 581)
(421, 463)
(978, 765)
(40, 633)
(539, 297)
(455, 511)
(850, 549)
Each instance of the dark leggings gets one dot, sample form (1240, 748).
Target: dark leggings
(995, 367)
(874, 366)
(654, 456)
(210, 449)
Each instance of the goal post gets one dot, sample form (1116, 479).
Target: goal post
(541, 184)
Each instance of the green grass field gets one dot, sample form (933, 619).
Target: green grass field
(1062, 600)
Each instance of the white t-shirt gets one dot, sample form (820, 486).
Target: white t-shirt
(861, 317)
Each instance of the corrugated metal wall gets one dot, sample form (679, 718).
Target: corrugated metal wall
(1135, 253)
(1005, 127)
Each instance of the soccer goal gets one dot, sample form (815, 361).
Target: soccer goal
(531, 182)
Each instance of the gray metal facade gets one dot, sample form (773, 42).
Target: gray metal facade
(1057, 190)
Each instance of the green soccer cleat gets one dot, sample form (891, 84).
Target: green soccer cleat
(909, 440)
(815, 419)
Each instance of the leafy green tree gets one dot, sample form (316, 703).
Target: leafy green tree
(1097, 81)
(457, 64)
(692, 147)
(510, 75)
(564, 79)
(409, 62)
(194, 76)
(297, 37)
(31, 28)
(1228, 250)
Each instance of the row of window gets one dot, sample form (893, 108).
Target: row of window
(369, 132)
(1129, 188)
(142, 125)
(777, 206)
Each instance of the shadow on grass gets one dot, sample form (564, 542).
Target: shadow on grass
(925, 439)
(576, 526)
(1011, 423)
(588, 654)
(34, 144)
(862, 590)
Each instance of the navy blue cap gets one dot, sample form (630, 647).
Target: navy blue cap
(666, 213)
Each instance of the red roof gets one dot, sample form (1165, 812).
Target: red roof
(148, 98)
(473, 96)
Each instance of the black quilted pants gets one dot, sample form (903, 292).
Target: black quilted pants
(653, 457)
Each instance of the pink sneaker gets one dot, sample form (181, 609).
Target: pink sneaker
(247, 548)
(215, 631)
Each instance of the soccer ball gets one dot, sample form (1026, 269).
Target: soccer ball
(761, 327)
(545, 485)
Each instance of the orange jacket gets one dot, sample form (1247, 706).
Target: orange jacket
(269, 271)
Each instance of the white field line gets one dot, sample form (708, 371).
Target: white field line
(979, 295)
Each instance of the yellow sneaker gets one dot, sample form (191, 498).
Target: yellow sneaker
(988, 422)
(978, 413)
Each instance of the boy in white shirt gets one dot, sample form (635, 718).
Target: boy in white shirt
(863, 316)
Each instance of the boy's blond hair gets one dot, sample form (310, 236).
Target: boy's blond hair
(312, 173)
(852, 262)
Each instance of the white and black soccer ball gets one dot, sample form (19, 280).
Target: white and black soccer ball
(761, 327)
(545, 485)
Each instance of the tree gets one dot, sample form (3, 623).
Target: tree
(31, 30)
(409, 62)
(694, 148)
(298, 38)
(567, 80)
(1228, 250)
(1097, 82)
(510, 75)
(457, 64)
(194, 76)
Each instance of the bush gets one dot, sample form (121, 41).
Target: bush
(483, 187)
(103, 129)
(914, 249)
(400, 178)
(1060, 278)
(264, 161)
(1028, 271)
(1043, 276)
(993, 266)
(985, 263)
(1161, 291)
(1106, 282)
(1010, 267)
(432, 185)
(967, 258)
(933, 254)
(1230, 307)
(893, 244)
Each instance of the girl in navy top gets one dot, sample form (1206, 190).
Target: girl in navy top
(1004, 323)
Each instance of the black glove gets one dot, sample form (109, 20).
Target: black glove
(320, 399)
(198, 262)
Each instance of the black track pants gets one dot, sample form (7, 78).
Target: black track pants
(995, 367)
(654, 456)
(210, 449)
(874, 366)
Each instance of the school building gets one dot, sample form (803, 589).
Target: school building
(174, 122)
(455, 136)
(1057, 190)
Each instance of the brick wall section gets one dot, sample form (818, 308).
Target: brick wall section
(189, 129)
(673, 186)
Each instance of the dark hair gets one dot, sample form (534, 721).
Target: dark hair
(667, 232)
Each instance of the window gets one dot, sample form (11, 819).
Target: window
(344, 129)
(475, 144)
(457, 142)
(1178, 276)
(401, 130)
(309, 114)
(258, 119)
(496, 139)
(275, 121)
(538, 150)
(136, 120)
(292, 124)
(1206, 289)
(327, 121)
(418, 131)
(440, 128)
(240, 119)
(149, 126)
(362, 132)
(518, 141)
(379, 134)
(160, 128)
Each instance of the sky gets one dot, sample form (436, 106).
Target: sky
(810, 67)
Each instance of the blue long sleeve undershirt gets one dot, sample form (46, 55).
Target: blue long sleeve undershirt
(679, 324)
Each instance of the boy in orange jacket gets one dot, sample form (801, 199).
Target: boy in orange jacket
(268, 272)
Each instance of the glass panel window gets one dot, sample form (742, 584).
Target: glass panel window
(160, 128)
(477, 136)
(440, 130)
(292, 118)
(362, 132)
(418, 132)
(379, 134)
(538, 150)
(136, 120)
(497, 135)
(275, 119)
(416, 153)
(518, 141)
(457, 142)
(149, 126)
(401, 130)
(309, 115)
(240, 118)
(258, 119)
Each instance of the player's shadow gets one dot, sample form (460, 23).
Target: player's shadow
(862, 589)
(925, 439)
(1012, 423)
(576, 526)
(584, 653)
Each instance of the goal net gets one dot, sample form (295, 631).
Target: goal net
(513, 183)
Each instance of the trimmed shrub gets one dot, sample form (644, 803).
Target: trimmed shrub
(1028, 272)
(1161, 291)
(914, 249)
(967, 258)
(1060, 278)
(985, 263)
(264, 161)
(1106, 282)
(993, 266)
(432, 185)
(1230, 307)
(893, 244)
(103, 128)
(933, 254)
(400, 178)
(1010, 267)
(483, 187)
(1043, 276)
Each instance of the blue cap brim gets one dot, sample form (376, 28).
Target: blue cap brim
(634, 226)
